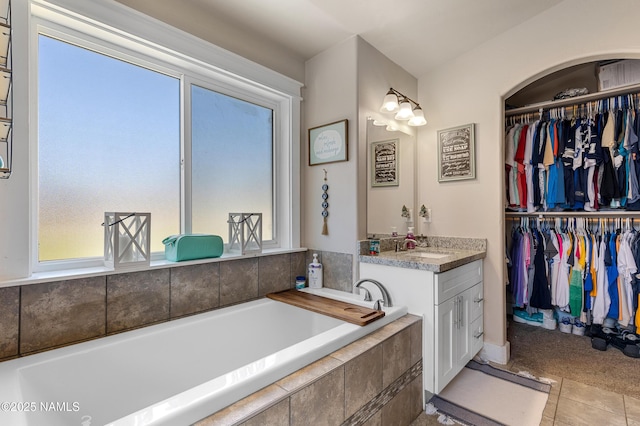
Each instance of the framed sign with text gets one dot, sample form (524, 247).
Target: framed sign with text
(456, 159)
(384, 163)
(329, 143)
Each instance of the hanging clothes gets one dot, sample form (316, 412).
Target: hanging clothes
(577, 269)
(587, 162)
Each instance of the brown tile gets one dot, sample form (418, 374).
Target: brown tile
(591, 396)
(308, 374)
(375, 420)
(137, 298)
(9, 321)
(550, 408)
(415, 333)
(397, 412)
(389, 330)
(194, 288)
(355, 349)
(238, 281)
(363, 379)
(246, 407)
(274, 274)
(338, 270)
(396, 358)
(417, 404)
(62, 312)
(278, 415)
(632, 408)
(546, 421)
(571, 412)
(321, 403)
(298, 266)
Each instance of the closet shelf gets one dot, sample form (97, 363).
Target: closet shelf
(601, 213)
(625, 90)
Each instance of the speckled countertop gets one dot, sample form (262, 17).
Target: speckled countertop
(448, 253)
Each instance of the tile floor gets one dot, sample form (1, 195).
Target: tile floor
(572, 402)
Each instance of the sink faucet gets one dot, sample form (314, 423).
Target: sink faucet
(401, 245)
(407, 241)
(386, 298)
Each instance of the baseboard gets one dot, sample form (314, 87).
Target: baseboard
(495, 353)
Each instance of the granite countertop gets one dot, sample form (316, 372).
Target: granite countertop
(435, 254)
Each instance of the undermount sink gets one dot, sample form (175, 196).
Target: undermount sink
(428, 255)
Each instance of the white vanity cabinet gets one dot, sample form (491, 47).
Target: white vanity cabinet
(458, 321)
(451, 304)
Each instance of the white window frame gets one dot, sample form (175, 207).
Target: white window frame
(115, 30)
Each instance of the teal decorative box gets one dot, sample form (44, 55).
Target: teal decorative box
(192, 246)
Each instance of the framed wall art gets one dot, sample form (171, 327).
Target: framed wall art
(329, 143)
(384, 163)
(456, 158)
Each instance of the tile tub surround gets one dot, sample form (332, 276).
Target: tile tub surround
(366, 382)
(44, 316)
(337, 269)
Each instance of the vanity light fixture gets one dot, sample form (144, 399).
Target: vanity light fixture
(404, 107)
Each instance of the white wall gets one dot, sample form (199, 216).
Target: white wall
(330, 95)
(470, 89)
(349, 81)
(214, 29)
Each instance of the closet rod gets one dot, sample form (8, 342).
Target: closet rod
(626, 90)
(602, 213)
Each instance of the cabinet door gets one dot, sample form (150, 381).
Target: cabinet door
(463, 343)
(446, 338)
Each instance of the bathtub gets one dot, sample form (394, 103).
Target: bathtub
(173, 373)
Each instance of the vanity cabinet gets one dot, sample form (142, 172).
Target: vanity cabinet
(451, 304)
(459, 333)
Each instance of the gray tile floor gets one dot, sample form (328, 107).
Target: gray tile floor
(571, 401)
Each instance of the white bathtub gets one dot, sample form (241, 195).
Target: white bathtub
(173, 373)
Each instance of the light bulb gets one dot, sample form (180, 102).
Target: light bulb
(390, 103)
(405, 112)
(418, 118)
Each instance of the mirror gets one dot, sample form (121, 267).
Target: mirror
(391, 178)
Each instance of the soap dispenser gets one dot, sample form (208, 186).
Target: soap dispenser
(315, 273)
(410, 236)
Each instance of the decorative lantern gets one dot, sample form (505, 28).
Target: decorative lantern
(245, 232)
(127, 239)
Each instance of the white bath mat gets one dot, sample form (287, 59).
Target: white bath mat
(494, 400)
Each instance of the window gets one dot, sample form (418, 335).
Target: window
(123, 125)
(108, 140)
(232, 169)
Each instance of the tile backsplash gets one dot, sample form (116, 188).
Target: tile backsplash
(39, 317)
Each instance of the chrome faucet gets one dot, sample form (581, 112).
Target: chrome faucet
(408, 240)
(386, 298)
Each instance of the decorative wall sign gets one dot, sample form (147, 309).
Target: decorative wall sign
(384, 163)
(456, 159)
(329, 143)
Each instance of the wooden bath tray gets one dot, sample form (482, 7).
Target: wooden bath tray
(354, 314)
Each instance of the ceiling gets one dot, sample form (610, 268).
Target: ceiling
(416, 34)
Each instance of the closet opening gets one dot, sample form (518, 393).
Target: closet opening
(571, 195)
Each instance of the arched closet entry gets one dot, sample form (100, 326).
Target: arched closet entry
(572, 201)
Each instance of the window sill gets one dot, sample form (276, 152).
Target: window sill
(65, 274)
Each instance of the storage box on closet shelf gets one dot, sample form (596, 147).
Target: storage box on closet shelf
(127, 238)
(245, 232)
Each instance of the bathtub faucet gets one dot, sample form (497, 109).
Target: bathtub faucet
(386, 298)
